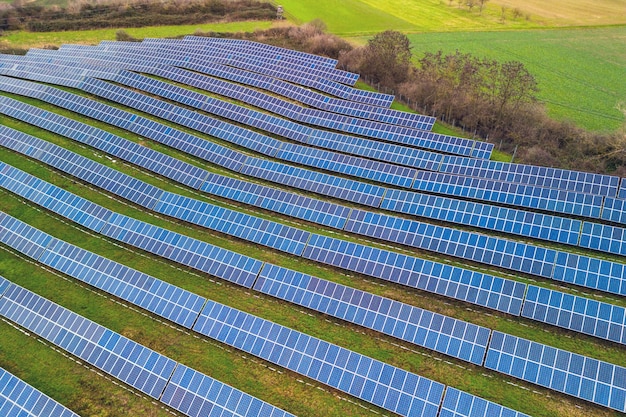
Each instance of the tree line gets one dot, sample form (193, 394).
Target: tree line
(82, 15)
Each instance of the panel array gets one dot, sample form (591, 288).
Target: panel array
(194, 253)
(561, 179)
(603, 237)
(177, 305)
(489, 250)
(494, 251)
(386, 386)
(240, 136)
(457, 403)
(434, 331)
(135, 60)
(502, 219)
(197, 395)
(458, 283)
(537, 198)
(297, 77)
(590, 272)
(77, 209)
(244, 226)
(580, 376)
(132, 363)
(584, 315)
(17, 398)
(128, 361)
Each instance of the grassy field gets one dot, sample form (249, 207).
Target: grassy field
(580, 71)
(91, 37)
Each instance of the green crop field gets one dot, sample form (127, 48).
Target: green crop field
(580, 71)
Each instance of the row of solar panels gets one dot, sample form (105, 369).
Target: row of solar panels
(559, 265)
(514, 194)
(350, 125)
(184, 389)
(538, 196)
(520, 257)
(596, 381)
(373, 381)
(17, 398)
(579, 314)
(316, 78)
(295, 92)
(575, 180)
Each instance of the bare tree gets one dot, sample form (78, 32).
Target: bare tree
(471, 4)
(481, 5)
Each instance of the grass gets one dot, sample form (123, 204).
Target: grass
(366, 17)
(579, 71)
(26, 40)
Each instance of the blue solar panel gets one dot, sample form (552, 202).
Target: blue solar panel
(558, 201)
(18, 399)
(234, 223)
(49, 196)
(468, 245)
(373, 381)
(343, 188)
(580, 314)
(191, 252)
(4, 283)
(173, 303)
(604, 238)
(134, 364)
(462, 284)
(578, 181)
(590, 272)
(457, 403)
(484, 216)
(614, 210)
(580, 376)
(197, 395)
(434, 331)
(19, 236)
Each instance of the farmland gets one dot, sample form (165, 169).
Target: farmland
(580, 71)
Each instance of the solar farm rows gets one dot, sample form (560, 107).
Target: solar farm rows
(293, 120)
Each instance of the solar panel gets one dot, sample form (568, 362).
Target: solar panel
(580, 376)
(434, 331)
(75, 208)
(462, 284)
(234, 223)
(198, 395)
(556, 178)
(604, 238)
(590, 272)
(173, 303)
(467, 245)
(457, 403)
(558, 201)
(373, 381)
(17, 235)
(132, 363)
(17, 398)
(194, 253)
(572, 312)
(485, 216)
(614, 210)
(4, 283)
(343, 188)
